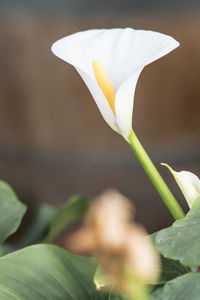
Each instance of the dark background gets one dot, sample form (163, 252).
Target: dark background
(85, 7)
(53, 140)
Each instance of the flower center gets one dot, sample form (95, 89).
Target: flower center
(104, 83)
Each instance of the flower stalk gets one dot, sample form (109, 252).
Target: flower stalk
(155, 177)
(139, 293)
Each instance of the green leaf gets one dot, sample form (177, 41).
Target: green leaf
(73, 211)
(171, 269)
(186, 287)
(39, 225)
(181, 241)
(47, 272)
(11, 211)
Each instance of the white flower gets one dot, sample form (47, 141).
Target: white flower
(110, 62)
(189, 184)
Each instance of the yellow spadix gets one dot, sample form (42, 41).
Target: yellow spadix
(104, 83)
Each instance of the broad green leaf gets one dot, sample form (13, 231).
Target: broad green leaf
(73, 211)
(39, 225)
(47, 272)
(11, 211)
(186, 287)
(181, 241)
(171, 269)
(6, 248)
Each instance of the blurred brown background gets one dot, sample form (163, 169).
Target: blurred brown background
(53, 140)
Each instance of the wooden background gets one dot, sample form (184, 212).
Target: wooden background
(53, 140)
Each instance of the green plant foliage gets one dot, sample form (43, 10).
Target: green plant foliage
(181, 241)
(73, 211)
(11, 211)
(39, 225)
(47, 272)
(186, 287)
(171, 269)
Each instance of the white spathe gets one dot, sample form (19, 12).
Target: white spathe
(123, 54)
(189, 184)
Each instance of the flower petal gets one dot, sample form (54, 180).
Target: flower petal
(144, 48)
(124, 104)
(80, 50)
(99, 98)
(189, 184)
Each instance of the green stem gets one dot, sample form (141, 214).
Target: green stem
(155, 177)
(139, 295)
(138, 290)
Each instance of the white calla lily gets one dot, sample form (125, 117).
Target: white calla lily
(189, 184)
(110, 62)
